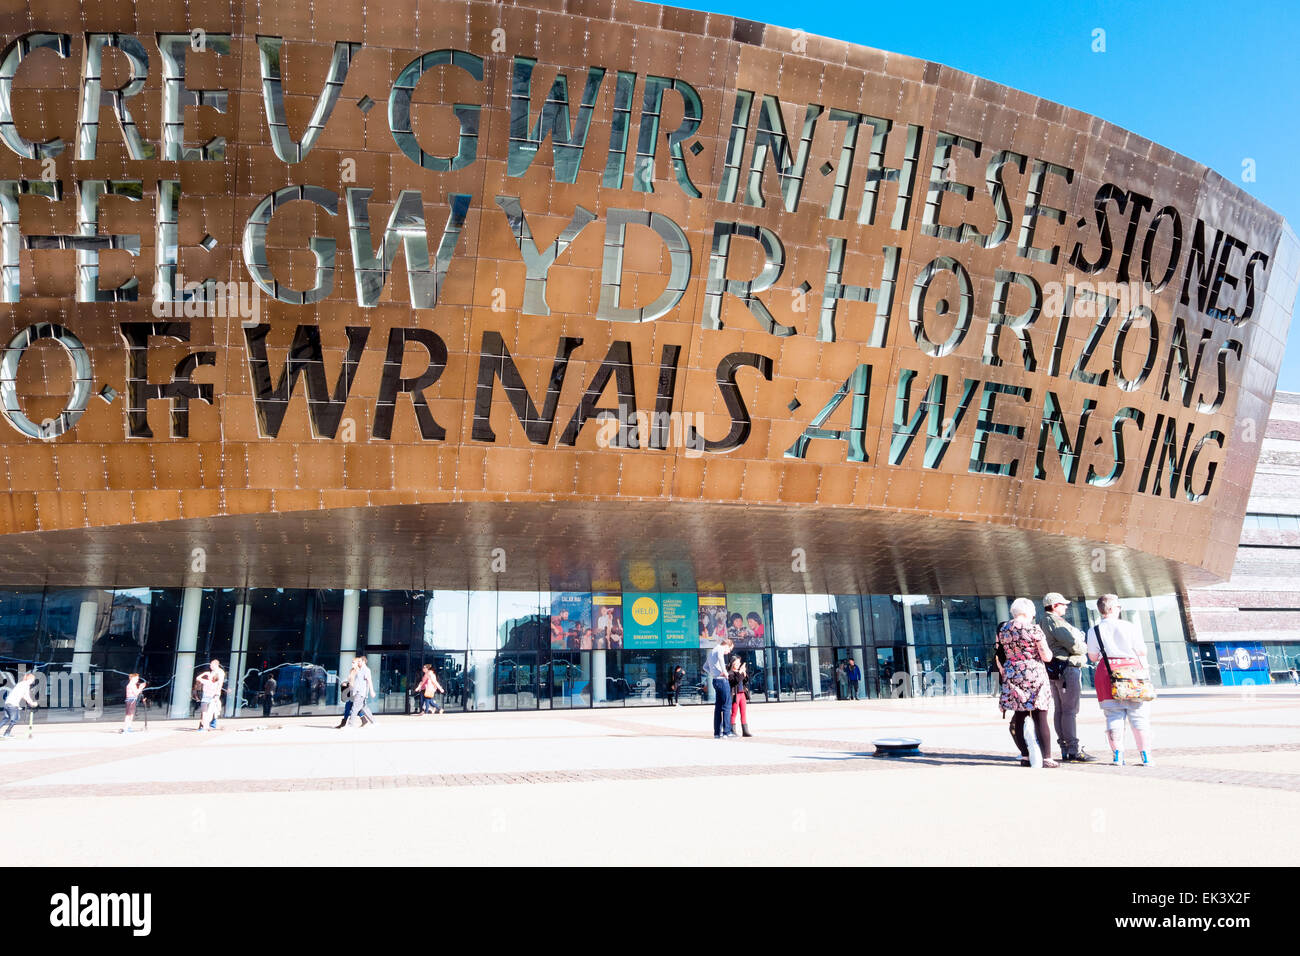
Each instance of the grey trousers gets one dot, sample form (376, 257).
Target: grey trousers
(1065, 709)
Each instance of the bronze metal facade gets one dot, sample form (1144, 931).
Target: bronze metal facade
(788, 246)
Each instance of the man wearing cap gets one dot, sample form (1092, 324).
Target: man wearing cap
(1068, 648)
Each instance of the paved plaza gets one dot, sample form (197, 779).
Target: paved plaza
(650, 785)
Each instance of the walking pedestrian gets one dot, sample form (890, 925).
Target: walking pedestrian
(345, 690)
(418, 694)
(715, 668)
(738, 679)
(1065, 670)
(855, 679)
(429, 687)
(18, 697)
(360, 689)
(1025, 687)
(1123, 684)
(134, 688)
(675, 684)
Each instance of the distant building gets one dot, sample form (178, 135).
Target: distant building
(1248, 627)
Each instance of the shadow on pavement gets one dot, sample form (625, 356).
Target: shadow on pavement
(929, 760)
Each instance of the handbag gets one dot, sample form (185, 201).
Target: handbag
(1124, 686)
(1056, 667)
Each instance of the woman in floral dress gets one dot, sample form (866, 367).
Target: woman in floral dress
(1026, 689)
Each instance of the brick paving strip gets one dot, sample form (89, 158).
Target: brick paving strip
(830, 757)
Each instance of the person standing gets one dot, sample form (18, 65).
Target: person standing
(842, 680)
(134, 688)
(855, 679)
(715, 668)
(1118, 644)
(217, 677)
(18, 697)
(268, 694)
(1065, 670)
(738, 679)
(210, 682)
(1025, 687)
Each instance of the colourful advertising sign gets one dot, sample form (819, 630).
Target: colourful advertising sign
(745, 619)
(1242, 664)
(570, 614)
(644, 623)
(607, 621)
(713, 618)
(680, 614)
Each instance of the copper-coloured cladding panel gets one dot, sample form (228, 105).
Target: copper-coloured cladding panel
(376, 490)
(454, 546)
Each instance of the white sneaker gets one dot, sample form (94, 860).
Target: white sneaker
(1117, 758)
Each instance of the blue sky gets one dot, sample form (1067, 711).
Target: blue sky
(1217, 82)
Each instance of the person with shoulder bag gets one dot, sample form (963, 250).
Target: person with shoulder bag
(345, 690)
(1065, 670)
(1124, 687)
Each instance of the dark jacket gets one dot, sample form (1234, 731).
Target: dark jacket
(739, 682)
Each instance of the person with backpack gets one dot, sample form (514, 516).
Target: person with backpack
(1123, 681)
(18, 697)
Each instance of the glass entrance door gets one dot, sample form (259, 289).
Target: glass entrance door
(517, 680)
(791, 666)
(886, 666)
(566, 681)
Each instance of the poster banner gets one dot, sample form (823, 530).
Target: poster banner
(680, 614)
(607, 621)
(713, 618)
(644, 625)
(745, 619)
(1243, 664)
(570, 617)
